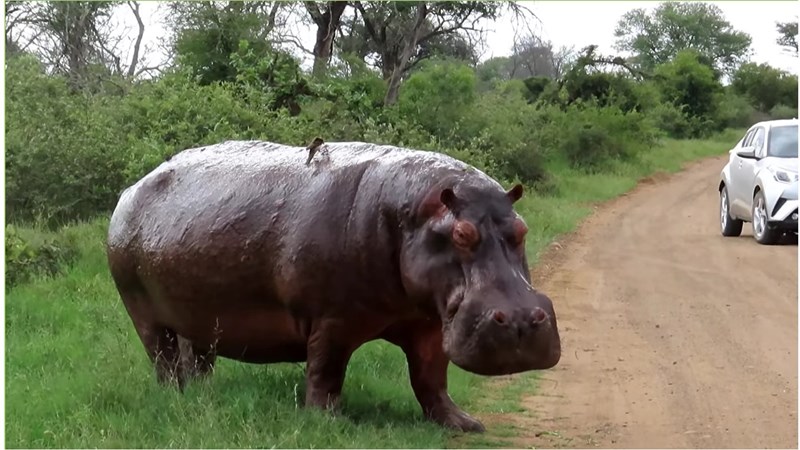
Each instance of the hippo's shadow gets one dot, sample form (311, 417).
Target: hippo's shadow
(281, 387)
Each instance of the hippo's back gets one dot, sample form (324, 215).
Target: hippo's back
(252, 213)
(218, 183)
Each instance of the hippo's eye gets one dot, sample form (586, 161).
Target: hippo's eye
(465, 234)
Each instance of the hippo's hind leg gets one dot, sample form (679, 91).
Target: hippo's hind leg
(196, 361)
(421, 341)
(160, 342)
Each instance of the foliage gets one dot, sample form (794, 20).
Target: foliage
(62, 149)
(783, 112)
(735, 111)
(787, 35)
(687, 83)
(592, 137)
(508, 136)
(765, 86)
(672, 27)
(437, 96)
(26, 259)
(208, 33)
(70, 153)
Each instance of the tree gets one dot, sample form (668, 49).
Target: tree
(398, 35)
(68, 37)
(77, 39)
(788, 36)
(764, 86)
(327, 21)
(492, 71)
(438, 95)
(657, 38)
(691, 85)
(532, 57)
(208, 33)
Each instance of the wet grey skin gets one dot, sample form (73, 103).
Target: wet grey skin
(240, 250)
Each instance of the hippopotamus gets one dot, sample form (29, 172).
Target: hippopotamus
(240, 250)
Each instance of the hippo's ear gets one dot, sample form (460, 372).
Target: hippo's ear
(515, 193)
(448, 198)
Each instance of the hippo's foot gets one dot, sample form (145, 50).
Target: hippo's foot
(427, 364)
(450, 416)
(323, 400)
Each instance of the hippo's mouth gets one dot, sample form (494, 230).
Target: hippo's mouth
(481, 341)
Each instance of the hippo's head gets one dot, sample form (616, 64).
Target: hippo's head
(468, 255)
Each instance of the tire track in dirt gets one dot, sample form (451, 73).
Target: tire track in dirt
(672, 335)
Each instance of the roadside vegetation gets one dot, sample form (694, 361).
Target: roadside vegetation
(574, 126)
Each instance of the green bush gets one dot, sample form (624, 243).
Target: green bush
(64, 151)
(505, 130)
(735, 111)
(689, 84)
(783, 112)
(26, 259)
(765, 87)
(592, 138)
(437, 96)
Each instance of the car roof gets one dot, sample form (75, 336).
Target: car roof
(776, 123)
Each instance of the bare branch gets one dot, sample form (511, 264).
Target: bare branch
(135, 58)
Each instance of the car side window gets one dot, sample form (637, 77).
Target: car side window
(748, 137)
(758, 141)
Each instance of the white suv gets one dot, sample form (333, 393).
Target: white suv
(759, 182)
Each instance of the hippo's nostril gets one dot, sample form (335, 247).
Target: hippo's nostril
(499, 317)
(538, 316)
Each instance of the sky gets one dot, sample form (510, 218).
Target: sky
(575, 23)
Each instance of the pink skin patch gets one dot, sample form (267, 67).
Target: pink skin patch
(520, 230)
(465, 235)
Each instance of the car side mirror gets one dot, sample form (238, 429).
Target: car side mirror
(747, 153)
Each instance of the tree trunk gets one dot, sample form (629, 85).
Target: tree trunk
(408, 51)
(135, 58)
(327, 24)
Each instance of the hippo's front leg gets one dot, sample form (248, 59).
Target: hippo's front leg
(427, 365)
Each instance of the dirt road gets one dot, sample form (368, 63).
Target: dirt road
(672, 335)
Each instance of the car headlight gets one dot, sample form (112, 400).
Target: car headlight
(783, 175)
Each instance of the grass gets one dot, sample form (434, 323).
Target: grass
(77, 375)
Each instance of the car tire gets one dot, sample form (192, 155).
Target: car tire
(728, 225)
(762, 232)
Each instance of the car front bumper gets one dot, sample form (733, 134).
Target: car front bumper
(783, 211)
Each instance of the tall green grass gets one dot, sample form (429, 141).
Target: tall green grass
(77, 375)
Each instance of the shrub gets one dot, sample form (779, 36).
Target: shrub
(25, 259)
(783, 112)
(687, 83)
(504, 126)
(591, 138)
(438, 96)
(735, 111)
(63, 150)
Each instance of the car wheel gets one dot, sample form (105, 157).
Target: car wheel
(728, 225)
(763, 233)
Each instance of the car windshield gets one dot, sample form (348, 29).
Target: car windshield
(783, 142)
